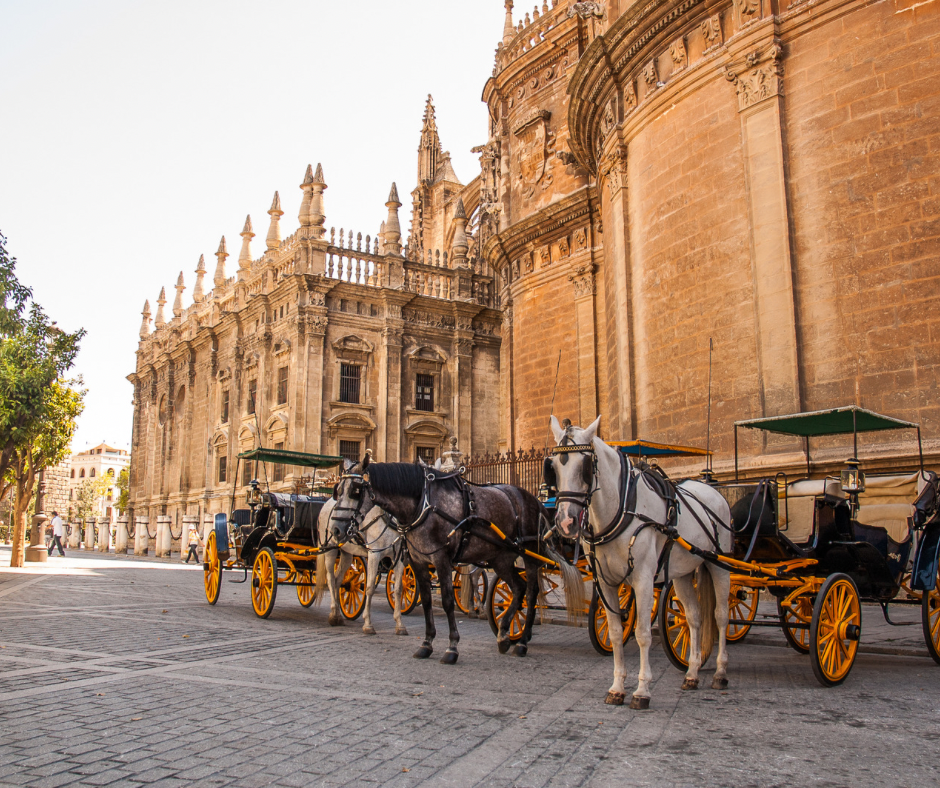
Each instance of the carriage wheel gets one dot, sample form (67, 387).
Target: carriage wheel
(497, 602)
(481, 585)
(597, 615)
(835, 631)
(212, 572)
(264, 582)
(930, 605)
(306, 593)
(742, 605)
(352, 591)
(799, 612)
(674, 629)
(409, 590)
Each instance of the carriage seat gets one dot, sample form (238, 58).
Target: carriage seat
(887, 503)
(800, 506)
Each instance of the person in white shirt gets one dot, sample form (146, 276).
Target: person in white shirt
(58, 533)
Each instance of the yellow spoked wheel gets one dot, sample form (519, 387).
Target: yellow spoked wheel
(478, 593)
(930, 607)
(306, 593)
(409, 590)
(264, 582)
(835, 631)
(212, 570)
(497, 603)
(799, 611)
(597, 615)
(674, 630)
(352, 591)
(742, 606)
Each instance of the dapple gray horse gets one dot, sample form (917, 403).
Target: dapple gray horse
(628, 544)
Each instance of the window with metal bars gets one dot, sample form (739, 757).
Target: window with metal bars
(247, 477)
(223, 465)
(349, 450)
(225, 401)
(252, 395)
(427, 454)
(278, 473)
(282, 386)
(424, 392)
(350, 380)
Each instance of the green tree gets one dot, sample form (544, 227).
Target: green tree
(88, 496)
(123, 485)
(38, 407)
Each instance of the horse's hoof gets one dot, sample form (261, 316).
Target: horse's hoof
(718, 683)
(521, 650)
(503, 645)
(401, 630)
(690, 684)
(449, 658)
(336, 621)
(638, 703)
(614, 698)
(368, 630)
(423, 653)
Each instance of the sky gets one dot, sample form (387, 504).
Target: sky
(134, 134)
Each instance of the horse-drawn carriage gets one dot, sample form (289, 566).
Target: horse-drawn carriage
(275, 539)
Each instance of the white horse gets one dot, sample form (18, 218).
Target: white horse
(593, 481)
(377, 542)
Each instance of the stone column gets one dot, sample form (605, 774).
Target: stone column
(120, 536)
(89, 527)
(584, 290)
(463, 390)
(141, 535)
(164, 537)
(104, 534)
(759, 84)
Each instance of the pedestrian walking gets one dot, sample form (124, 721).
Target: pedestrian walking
(58, 533)
(193, 544)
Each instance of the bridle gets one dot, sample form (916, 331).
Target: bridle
(352, 520)
(589, 474)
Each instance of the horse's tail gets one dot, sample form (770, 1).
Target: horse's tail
(320, 588)
(466, 587)
(574, 587)
(706, 605)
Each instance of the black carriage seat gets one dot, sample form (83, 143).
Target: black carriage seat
(927, 503)
(306, 513)
(242, 520)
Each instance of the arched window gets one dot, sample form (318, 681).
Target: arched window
(110, 471)
(91, 473)
(73, 473)
(81, 474)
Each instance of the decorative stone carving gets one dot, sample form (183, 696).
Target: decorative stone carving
(629, 97)
(586, 10)
(761, 79)
(532, 131)
(566, 157)
(609, 121)
(563, 247)
(580, 239)
(746, 11)
(614, 170)
(545, 257)
(583, 280)
(651, 74)
(679, 55)
(529, 263)
(711, 32)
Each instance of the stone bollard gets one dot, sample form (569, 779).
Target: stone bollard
(164, 537)
(89, 527)
(120, 536)
(75, 535)
(141, 536)
(104, 534)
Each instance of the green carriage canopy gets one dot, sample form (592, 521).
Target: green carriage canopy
(641, 448)
(838, 421)
(284, 457)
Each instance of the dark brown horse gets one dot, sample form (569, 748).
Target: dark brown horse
(446, 520)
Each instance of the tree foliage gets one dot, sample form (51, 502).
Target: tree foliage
(123, 485)
(38, 407)
(88, 496)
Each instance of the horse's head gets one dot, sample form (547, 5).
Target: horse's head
(350, 493)
(571, 470)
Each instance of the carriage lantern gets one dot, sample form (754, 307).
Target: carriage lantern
(254, 493)
(853, 477)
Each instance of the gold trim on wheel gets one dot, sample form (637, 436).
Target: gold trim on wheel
(601, 639)
(264, 582)
(352, 590)
(409, 589)
(500, 598)
(799, 611)
(212, 573)
(674, 630)
(306, 593)
(835, 631)
(931, 620)
(742, 606)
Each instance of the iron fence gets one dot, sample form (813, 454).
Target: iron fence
(523, 469)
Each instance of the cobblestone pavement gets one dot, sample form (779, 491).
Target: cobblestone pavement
(117, 672)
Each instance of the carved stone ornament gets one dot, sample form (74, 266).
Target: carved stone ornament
(563, 247)
(586, 10)
(580, 239)
(566, 157)
(761, 79)
(651, 73)
(677, 52)
(532, 131)
(609, 121)
(614, 170)
(545, 257)
(529, 263)
(629, 97)
(747, 11)
(711, 32)
(583, 280)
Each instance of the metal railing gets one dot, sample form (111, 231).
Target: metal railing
(522, 469)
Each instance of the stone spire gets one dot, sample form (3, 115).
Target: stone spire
(307, 187)
(430, 150)
(219, 278)
(274, 231)
(178, 301)
(160, 321)
(244, 258)
(381, 237)
(509, 29)
(460, 245)
(198, 293)
(311, 209)
(145, 324)
(392, 226)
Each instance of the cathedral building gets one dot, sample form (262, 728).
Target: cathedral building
(672, 192)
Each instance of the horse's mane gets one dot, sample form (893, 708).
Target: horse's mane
(397, 478)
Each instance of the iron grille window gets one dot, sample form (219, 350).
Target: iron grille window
(424, 392)
(252, 395)
(349, 450)
(427, 454)
(278, 474)
(282, 386)
(249, 465)
(349, 383)
(223, 464)
(225, 400)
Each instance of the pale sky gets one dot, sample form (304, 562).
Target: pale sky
(135, 133)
